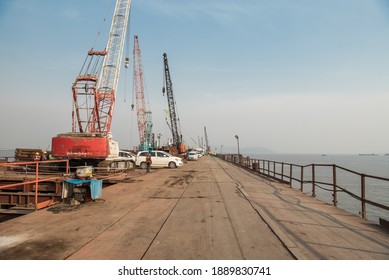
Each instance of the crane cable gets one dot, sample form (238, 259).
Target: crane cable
(110, 8)
(127, 59)
(87, 67)
(127, 66)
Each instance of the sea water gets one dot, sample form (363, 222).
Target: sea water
(10, 153)
(375, 165)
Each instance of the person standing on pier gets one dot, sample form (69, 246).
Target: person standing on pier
(148, 162)
(37, 157)
(44, 155)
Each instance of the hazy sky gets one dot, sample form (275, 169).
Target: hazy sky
(294, 76)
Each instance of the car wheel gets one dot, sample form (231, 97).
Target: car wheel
(143, 165)
(172, 164)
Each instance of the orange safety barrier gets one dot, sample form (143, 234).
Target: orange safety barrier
(36, 181)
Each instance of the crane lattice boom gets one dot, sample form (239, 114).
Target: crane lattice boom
(143, 115)
(171, 103)
(207, 147)
(95, 89)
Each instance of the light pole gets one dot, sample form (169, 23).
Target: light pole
(159, 140)
(237, 139)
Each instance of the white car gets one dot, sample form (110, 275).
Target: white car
(127, 155)
(193, 155)
(159, 159)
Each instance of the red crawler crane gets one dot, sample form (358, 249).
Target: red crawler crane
(144, 116)
(94, 94)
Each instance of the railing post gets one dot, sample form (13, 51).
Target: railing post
(274, 169)
(335, 196)
(290, 176)
(36, 185)
(302, 179)
(267, 168)
(363, 195)
(282, 172)
(313, 181)
(67, 167)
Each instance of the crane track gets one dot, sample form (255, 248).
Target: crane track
(115, 166)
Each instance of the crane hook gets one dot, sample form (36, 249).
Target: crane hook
(127, 62)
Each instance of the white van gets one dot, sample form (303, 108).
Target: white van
(159, 159)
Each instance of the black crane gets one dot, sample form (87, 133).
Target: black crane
(172, 104)
(207, 146)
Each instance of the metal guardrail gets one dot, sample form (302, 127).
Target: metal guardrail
(35, 167)
(284, 172)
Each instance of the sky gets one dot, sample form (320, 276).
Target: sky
(291, 76)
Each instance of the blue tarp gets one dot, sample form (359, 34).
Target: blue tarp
(96, 187)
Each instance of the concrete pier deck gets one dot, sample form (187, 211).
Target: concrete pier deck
(208, 209)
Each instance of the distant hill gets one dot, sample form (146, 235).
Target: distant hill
(247, 150)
